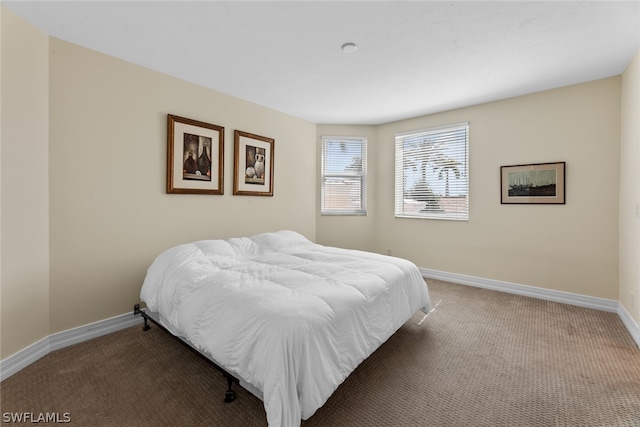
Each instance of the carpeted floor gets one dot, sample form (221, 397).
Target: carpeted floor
(481, 358)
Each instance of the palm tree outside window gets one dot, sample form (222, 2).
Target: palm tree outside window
(432, 170)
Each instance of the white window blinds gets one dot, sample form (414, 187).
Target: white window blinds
(344, 176)
(432, 173)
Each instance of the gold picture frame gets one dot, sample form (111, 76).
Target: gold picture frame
(536, 183)
(195, 156)
(253, 164)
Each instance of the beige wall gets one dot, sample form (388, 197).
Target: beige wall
(24, 261)
(570, 247)
(353, 232)
(76, 245)
(630, 191)
(110, 215)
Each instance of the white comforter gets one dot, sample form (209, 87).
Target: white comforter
(290, 317)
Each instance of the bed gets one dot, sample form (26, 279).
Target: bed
(287, 318)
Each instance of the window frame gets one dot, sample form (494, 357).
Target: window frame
(460, 212)
(361, 175)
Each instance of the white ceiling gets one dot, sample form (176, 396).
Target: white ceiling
(413, 58)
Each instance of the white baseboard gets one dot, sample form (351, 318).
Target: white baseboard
(630, 324)
(41, 348)
(24, 358)
(602, 304)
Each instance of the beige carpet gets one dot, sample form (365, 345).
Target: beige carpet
(482, 358)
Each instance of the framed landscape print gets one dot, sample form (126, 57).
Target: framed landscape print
(195, 156)
(537, 183)
(253, 164)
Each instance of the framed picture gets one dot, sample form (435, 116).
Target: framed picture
(253, 164)
(195, 156)
(537, 183)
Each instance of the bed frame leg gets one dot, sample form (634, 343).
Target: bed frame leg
(229, 395)
(136, 311)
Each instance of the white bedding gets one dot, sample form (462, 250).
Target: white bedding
(290, 317)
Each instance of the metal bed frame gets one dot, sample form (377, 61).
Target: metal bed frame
(229, 395)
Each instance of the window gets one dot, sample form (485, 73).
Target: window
(432, 173)
(344, 176)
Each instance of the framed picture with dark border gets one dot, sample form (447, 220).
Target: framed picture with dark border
(195, 156)
(536, 183)
(253, 164)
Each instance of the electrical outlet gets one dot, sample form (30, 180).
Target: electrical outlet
(388, 251)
